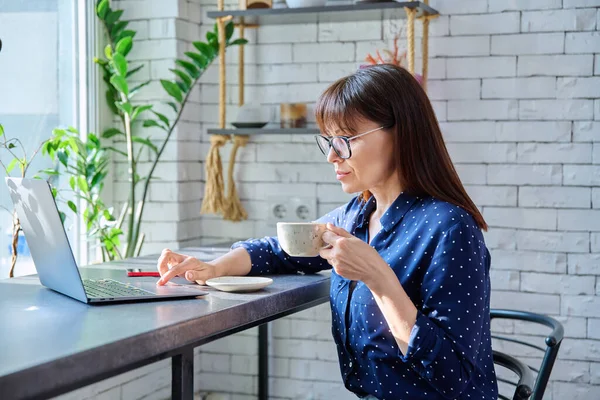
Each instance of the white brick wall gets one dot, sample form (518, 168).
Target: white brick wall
(515, 85)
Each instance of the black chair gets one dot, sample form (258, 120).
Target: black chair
(524, 387)
(537, 385)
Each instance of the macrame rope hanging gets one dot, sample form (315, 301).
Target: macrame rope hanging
(234, 210)
(425, 48)
(410, 28)
(214, 201)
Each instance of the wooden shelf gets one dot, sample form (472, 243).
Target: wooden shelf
(337, 13)
(264, 131)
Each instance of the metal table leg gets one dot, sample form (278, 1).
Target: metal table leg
(182, 380)
(263, 362)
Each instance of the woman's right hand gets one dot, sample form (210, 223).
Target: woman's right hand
(172, 264)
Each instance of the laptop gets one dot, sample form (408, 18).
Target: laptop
(54, 259)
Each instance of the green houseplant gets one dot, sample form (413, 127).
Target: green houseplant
(86, 165)
(118, 74)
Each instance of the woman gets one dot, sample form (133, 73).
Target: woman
(410, 286)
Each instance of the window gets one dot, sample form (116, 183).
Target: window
(41, 81)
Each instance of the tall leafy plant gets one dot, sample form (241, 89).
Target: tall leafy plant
(118, 74)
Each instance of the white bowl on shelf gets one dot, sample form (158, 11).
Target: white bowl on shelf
(252, 114)
(305, 3)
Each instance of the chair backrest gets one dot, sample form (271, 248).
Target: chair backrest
(553, 341)
(524, 387)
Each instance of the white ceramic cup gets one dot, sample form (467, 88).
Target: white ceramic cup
(301, 239)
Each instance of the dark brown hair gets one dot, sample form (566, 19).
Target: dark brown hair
(392, 97)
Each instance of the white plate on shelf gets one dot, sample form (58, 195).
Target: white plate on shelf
(239, 283)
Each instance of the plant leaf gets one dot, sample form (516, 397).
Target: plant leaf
(121, 152)
(153, 123)
(72, 206)
(172, 89)
(183, 76)
(138, 110)
(125, 107)
(120, 84)
(173, 106)
(113, 16)
(12, 165)
(108, 52)
(120, 64)
(189, 68)
(124, 45)
(1, 130)
(117, 28)
(229, 30)
(137, 88)
(126, 33)
(204, 49)
(184, 88)
(63, 157)
(133, 71)
(146, 142)
(162, 117)
(239, 42)
(83, 185)
(63, 216)
(102, 9)
(108, 216)
(110, 132)
(49, 171)
(110, 100)
(198, 59)
(11, 146)
(98, 177)
(72, 182)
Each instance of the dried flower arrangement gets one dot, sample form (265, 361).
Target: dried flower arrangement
(394, 56)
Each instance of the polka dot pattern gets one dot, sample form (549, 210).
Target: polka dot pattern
(439, 256)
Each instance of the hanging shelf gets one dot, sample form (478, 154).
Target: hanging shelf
(346, 12)
(229, 205)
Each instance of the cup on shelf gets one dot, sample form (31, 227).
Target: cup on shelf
(292, 115)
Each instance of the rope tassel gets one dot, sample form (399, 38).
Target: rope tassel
(234, 210)
(214, 201)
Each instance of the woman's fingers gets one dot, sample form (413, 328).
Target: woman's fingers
(187, 264)
(168, 258)
(198, 276)
(330, 237)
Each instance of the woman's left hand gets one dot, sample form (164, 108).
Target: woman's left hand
(351, 257)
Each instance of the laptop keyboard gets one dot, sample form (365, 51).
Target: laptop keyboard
(104, 288)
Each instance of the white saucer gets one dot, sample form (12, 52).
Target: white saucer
(239, 283)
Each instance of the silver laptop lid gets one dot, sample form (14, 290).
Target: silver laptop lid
(46, 236)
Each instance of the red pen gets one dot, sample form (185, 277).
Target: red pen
(135, 272)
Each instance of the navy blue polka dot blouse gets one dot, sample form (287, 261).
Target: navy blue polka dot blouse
(439, 256)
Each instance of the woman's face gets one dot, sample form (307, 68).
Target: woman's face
(371, 165)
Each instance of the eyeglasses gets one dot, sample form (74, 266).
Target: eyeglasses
(340, 144)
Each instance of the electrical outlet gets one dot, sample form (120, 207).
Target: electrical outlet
(291, 209)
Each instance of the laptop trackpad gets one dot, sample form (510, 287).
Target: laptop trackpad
(175, 287)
